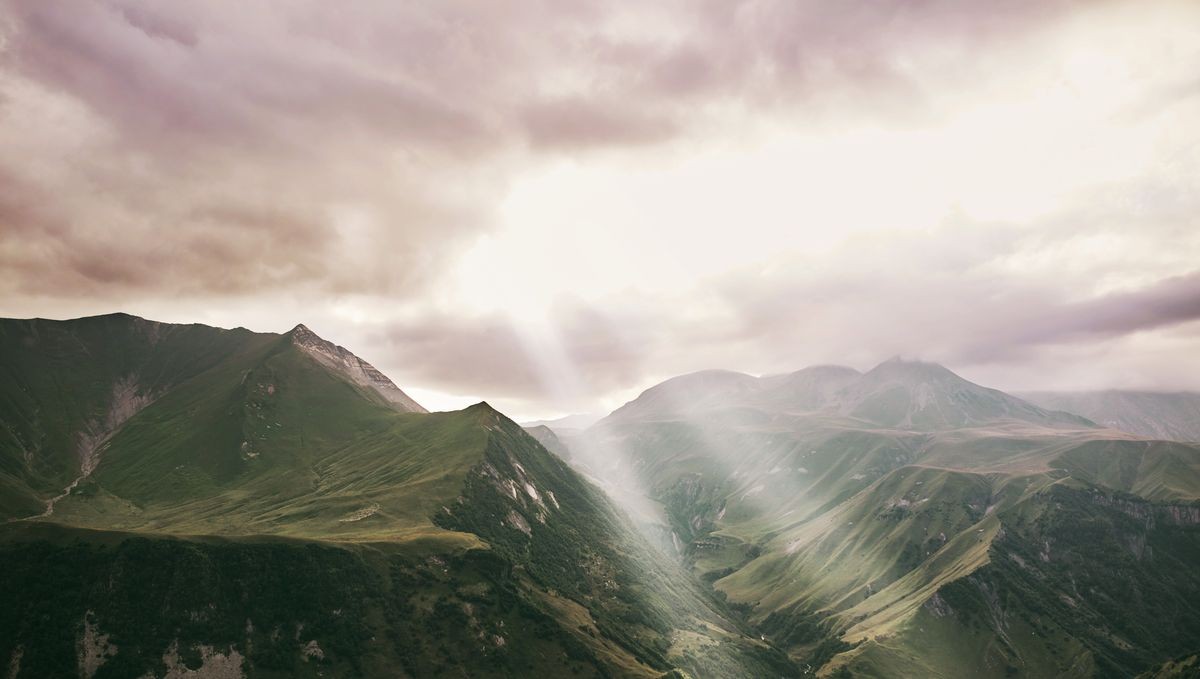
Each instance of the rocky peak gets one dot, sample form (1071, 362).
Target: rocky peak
(342, 361)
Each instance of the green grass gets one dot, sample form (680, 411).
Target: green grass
(832, 536)
(260, 501)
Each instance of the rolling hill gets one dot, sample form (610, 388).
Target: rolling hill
(189, 499)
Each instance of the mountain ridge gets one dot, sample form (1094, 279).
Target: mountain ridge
(905, 521)
(1173, 416)
(340, 358)
(894, 393)
(233, 465)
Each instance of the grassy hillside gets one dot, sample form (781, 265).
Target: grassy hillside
(67, 385)
(278, 517)
(876, 524)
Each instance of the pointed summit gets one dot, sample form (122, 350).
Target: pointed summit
(342, 361)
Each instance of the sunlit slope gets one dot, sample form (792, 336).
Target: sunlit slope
(1185, 667)
(1077, 581)
(841, 521)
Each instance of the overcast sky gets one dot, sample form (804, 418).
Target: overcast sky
(553, 205)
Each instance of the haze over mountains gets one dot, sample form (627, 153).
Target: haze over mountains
(1173, 416)
(446, 224)
(182, 498)
(907, 522)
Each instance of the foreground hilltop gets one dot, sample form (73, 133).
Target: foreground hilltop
(256, 504)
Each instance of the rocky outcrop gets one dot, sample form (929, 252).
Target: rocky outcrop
(92, 648)
(360, 372)
(213, 664)
(128, 398)
(1151, 513)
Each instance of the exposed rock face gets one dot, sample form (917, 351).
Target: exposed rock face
(92, 648)
(213, 664)
(359, 371)
(1169, 514)
(127, 399)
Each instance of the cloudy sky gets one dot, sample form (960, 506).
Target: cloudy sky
(554, 205)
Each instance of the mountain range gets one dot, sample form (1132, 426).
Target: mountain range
(906, 522)
(189, 501)
(1157, 415)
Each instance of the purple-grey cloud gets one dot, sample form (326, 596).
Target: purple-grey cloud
(335, 151)
(194, 111)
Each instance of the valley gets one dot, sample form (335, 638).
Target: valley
(906, 522)
(193, 501)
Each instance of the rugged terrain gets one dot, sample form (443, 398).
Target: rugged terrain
(192, 501)
(907, 522)
(186, 499)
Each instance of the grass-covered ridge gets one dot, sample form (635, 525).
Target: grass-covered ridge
(260, 512)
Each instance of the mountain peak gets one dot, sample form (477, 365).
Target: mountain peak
(303, 332)
(341, 360)
(901, 369)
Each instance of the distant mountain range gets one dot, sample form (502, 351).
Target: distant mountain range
(1174, 416)
(903, 394)
(576, 421)
(906, 522)
(182, 500)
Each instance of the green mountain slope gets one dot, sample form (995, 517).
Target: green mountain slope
(267, 511)
(894, 523)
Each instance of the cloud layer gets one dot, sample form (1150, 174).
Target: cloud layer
(551, 205)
